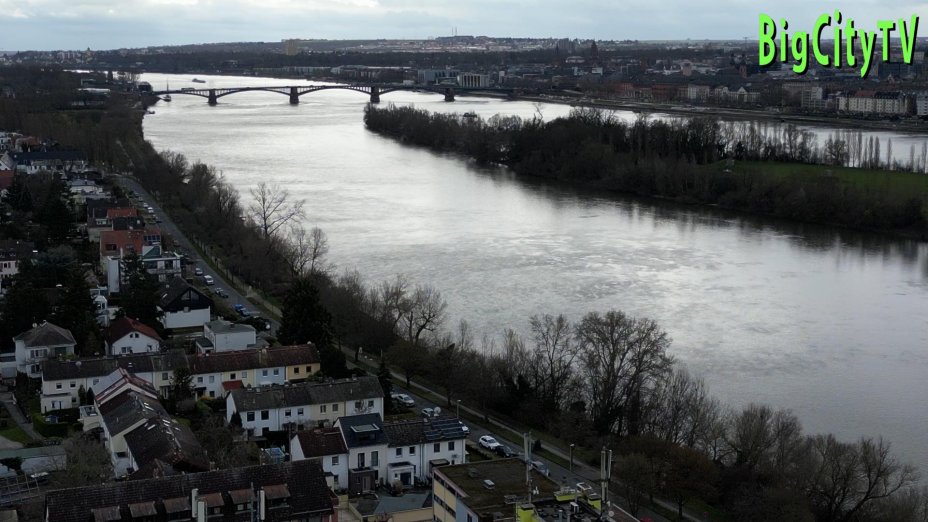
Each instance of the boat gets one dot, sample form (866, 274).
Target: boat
(197, 80)
(167, 87)
(470, 114)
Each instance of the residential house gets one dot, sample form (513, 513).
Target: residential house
(13, 253)
(418, 445)
(301, 405)
(57, 161)
(291, 491)
(225, 336)
(871, 102)
(122, 411)
(367, 443)
(164, 266)
(326, 446)
(162, 446)
(183, 306)
(126, 336)
(44, 341)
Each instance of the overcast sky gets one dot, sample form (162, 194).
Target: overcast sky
(109, 24)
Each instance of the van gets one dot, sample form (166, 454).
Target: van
(208, 279)
(541, 467)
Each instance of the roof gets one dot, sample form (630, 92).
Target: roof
(14, 249)
(123, 412)
(321, 442)
(127, 241)
(167, 440)
(308, 496)
(46, 334)
(508, 477)
(306, 393)
(54, 370)
(270, 357)
(122, 212)
(220, 326)
(124, 326)
(180, 295)
(119, 381)
(409, 432)
(362, 430)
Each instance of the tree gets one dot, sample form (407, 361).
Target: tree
(88, 463)
(221, 447)
(272, 209)
(634, 473)
(424, 313)
(304, 251)
(555, 353)
(621, 358)
(689, 475)
(181, 385)
(412, 359)
(383, 376)
(139, 296)
(306, 320)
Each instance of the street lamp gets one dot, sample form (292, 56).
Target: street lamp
(571, 457)
(458, 408)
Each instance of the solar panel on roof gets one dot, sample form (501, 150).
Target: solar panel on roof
(364, 428)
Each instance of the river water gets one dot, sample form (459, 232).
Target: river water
(830, 323)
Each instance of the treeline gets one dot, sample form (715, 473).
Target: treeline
(694, 160)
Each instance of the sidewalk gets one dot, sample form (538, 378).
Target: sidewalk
(17, 415)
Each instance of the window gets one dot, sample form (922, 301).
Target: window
(399, 452)
(451, 446)
(73, 385)
(244, 375)
(263, 373)
(212, 394)
(276, 371)
(370, 404)
(200, 380)
(437, 447)
(299, 411)
(58, 386)
(232, 376)
(412, 450)
(212, 379)
(265, 414)
(286, 413)
(95, 381)
(375, 459)
(309, 369)
(164, 376)
(322, 409)
(335, 407)
(335, 460)
(250, 416)
(296, 370)
(361, 459)
(357, 405)
(470, 518)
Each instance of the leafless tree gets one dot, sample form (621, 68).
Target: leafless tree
(768, 441)
(554, 354)
(272, 208)
(304, 250)
(88, 463)
(424, 314)
(393, 299)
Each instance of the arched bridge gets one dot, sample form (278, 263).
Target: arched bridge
(373, 90)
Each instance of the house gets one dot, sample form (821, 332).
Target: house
(162, 446)
(126, 336)
(121, 414)
(367, 442)
(42, 342)
(12, 253)
(58, 161)
(326, 446)
(163, 265)
(224, 336)
(183, 306)
(62, 381)
(305, 404)
(118, 243)
(291, 491)
(497, 489)
(418, 445)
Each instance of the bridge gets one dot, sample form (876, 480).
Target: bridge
(373, 90)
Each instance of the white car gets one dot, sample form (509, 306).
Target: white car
(403, 400)
(488, 442)
(464, 428)
(541, 467)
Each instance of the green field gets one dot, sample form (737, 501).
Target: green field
(900, 184)
(15, 434)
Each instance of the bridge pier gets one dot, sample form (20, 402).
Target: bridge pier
(449, 94)
(375, 94)
(212, 97)
(294, 96)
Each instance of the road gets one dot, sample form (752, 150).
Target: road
(183, 245)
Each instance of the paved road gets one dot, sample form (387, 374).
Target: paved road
(183, 245)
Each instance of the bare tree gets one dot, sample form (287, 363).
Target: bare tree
(425, 313)
(393, 299)
(555, 353)
(88, 463)
(272, 208)
(304, 250)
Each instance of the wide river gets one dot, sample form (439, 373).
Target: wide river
(830, 323)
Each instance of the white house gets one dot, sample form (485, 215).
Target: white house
(123, 403)
(12, 253)
(367, 445)
(183, 306)
(305, 404)
(225, 336)
(417, 445)
(37, 345)
(164, 266)
(328, 447)
(127, 336)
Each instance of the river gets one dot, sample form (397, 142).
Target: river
(827, 322)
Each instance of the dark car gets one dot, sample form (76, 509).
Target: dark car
(504, 451)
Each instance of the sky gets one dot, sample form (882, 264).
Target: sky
(112, 24)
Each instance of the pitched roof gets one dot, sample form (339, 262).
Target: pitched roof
(306, 393)
(127, 411)
(14, 249)
(172, 298)
(46, 334)
(304, 481)
(124, 326)
(320, 442)
(362, 430)
(166, 440)
(270, 357)
(53, 370)
(409, 432)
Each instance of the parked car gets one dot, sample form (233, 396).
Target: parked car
(220, 292)
(504, 451)
(198, 271)
(464, 428)
(488, 442)
(257, 322)
(541, 467)
(240, 309)
(431, 412)
(403, 400)
(584, 488)
(208, 279)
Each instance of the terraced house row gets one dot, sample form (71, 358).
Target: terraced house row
(213, 375)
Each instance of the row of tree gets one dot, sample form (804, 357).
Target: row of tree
(680, 159)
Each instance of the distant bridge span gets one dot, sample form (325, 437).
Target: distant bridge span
(373, 90)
